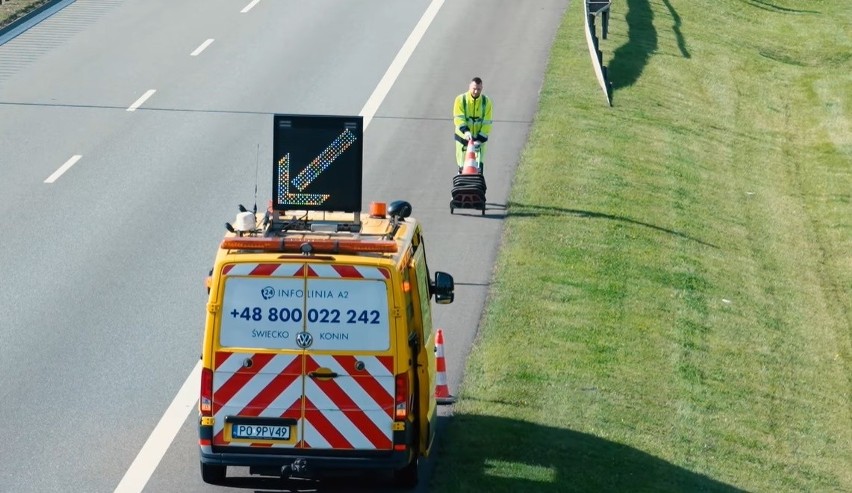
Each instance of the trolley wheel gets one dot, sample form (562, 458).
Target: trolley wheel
(483, 211)
(451, 207)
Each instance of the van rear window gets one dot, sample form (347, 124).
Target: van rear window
(339, 314)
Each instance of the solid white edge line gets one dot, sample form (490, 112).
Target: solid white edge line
(201, 48)
(399, 62)
(249, 6)
(161, 438)
(141, 100)
(62, 169)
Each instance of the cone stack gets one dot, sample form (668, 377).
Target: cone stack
(471, 164)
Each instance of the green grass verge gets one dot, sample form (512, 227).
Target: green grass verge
(671, 307)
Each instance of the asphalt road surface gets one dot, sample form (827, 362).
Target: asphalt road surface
(130, 130)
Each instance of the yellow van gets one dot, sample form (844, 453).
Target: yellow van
(319, 350)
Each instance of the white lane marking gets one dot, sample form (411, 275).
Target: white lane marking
(399, 62)
(159, 442)
(161, 438)
(141, 100)
(249, 6)
(62, 169)
(202, 47)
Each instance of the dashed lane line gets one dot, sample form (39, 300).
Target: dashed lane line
(201, 48)
(141, 100)
(62, 169)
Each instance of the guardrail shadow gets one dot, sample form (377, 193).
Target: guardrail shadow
(681, 41)
(517, 209)
(568, 460)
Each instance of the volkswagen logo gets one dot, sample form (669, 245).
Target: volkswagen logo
(304, 339)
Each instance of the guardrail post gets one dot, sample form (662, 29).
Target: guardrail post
(595, 8)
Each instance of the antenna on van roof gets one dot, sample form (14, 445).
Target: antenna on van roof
(256, 166)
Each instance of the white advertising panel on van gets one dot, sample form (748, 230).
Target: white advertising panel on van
(348, 314)
(339, 314)
(262, 312)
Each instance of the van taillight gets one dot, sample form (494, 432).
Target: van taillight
(401, 397)
(205, 403)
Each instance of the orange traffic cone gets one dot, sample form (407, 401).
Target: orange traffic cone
(442, 390)
(471, 165)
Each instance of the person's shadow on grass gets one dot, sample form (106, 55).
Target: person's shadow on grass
(629, 60)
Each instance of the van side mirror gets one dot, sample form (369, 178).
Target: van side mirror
(443, 288)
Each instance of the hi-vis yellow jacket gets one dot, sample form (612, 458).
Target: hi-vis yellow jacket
(472, 115)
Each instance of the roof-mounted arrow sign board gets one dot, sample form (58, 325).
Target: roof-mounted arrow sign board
(317, 162)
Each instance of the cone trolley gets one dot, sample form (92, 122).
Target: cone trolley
(468, 190)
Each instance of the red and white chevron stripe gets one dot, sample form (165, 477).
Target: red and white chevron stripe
(281, 270)
(270, 387)
(307, 270)
(354, 410)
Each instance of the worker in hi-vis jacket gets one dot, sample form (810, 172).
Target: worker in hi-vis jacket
(472, 120)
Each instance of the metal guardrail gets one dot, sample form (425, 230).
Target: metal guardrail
(593, 10)
(21, 24)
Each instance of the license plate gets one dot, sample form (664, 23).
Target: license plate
(260, 432)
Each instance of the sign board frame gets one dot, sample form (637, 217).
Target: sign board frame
(317, 162)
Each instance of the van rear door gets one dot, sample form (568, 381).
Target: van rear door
(304, 358)
(258, 368)
(349, 367)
